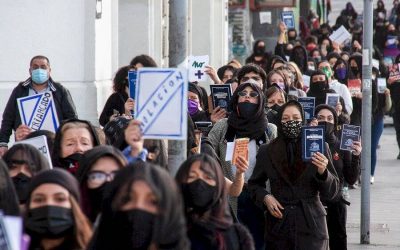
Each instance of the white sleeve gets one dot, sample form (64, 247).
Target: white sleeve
(347, 98)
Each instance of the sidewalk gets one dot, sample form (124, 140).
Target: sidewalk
(385, 201)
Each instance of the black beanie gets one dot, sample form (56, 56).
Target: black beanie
(56, 176)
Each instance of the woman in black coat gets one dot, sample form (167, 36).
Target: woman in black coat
(347, 167)
(205, 194)
(295, 217)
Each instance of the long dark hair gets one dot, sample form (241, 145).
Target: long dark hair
(169, 228)
(8, 195)
(217, 216)
(120, 80)
(37, 161)
(89, 158)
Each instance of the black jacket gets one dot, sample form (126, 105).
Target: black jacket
(115, 101)
(11, 118)
(300, 198)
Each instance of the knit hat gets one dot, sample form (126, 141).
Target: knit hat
(56, 176)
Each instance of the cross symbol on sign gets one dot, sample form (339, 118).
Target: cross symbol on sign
(199, 74)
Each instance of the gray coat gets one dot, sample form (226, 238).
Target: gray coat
(217, 139)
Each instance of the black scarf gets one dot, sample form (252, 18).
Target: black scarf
(253, 128)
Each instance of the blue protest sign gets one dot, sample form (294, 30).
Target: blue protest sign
(313, 140)
(161, 103)
(38, 112)
(132, 76)
(288, 19)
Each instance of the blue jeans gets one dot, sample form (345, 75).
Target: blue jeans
(376, 132)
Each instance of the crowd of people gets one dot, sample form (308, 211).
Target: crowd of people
(108, 188)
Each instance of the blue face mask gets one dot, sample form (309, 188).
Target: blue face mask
(39, 76)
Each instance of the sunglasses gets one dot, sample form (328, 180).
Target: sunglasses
(252, 94)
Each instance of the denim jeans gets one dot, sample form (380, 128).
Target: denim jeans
(376, 132)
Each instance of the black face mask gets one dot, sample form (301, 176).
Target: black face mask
(259, 51)
(133, 229)
(247, 109)
(71, 162)
(329, 131)
(21, 183)
(319, 86)
(96, 196)
(354, 70)
(276, 108)
(49, 222)
(199, 195)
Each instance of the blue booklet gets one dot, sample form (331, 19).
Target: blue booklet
(308, 104)
(350, 133)
(132, 77)
(221, 95)
(288, 19)
(312, 140)
(332, 99)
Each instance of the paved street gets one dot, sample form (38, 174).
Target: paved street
(385, 200)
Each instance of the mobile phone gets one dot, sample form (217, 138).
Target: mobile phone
(204, 127)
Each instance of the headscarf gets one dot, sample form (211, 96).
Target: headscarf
(253, 128)
(56, 154)
(169, 231)
(292, 145)
(217, 216)
(320, 96)
(331, 138)
(299, 56)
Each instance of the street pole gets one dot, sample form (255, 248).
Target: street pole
(366, 122)
(177, 39)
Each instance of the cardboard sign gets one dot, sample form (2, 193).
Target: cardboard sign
(197, 66)
(340, 35)
(161, 103)
(39, 112)
(132, 76)
(40, 143)
(313, 140)
(288, 19)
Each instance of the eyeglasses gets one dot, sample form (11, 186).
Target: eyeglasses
(252, 94)
(99, 177)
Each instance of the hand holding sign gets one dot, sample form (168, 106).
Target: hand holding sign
(197, 66)
(38, 112)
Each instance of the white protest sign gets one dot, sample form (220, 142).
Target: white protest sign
(13, 225)
(265, 17)
(161, 103)
(39, 112)
(40, 143)
(340, 35)
(197, 66)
